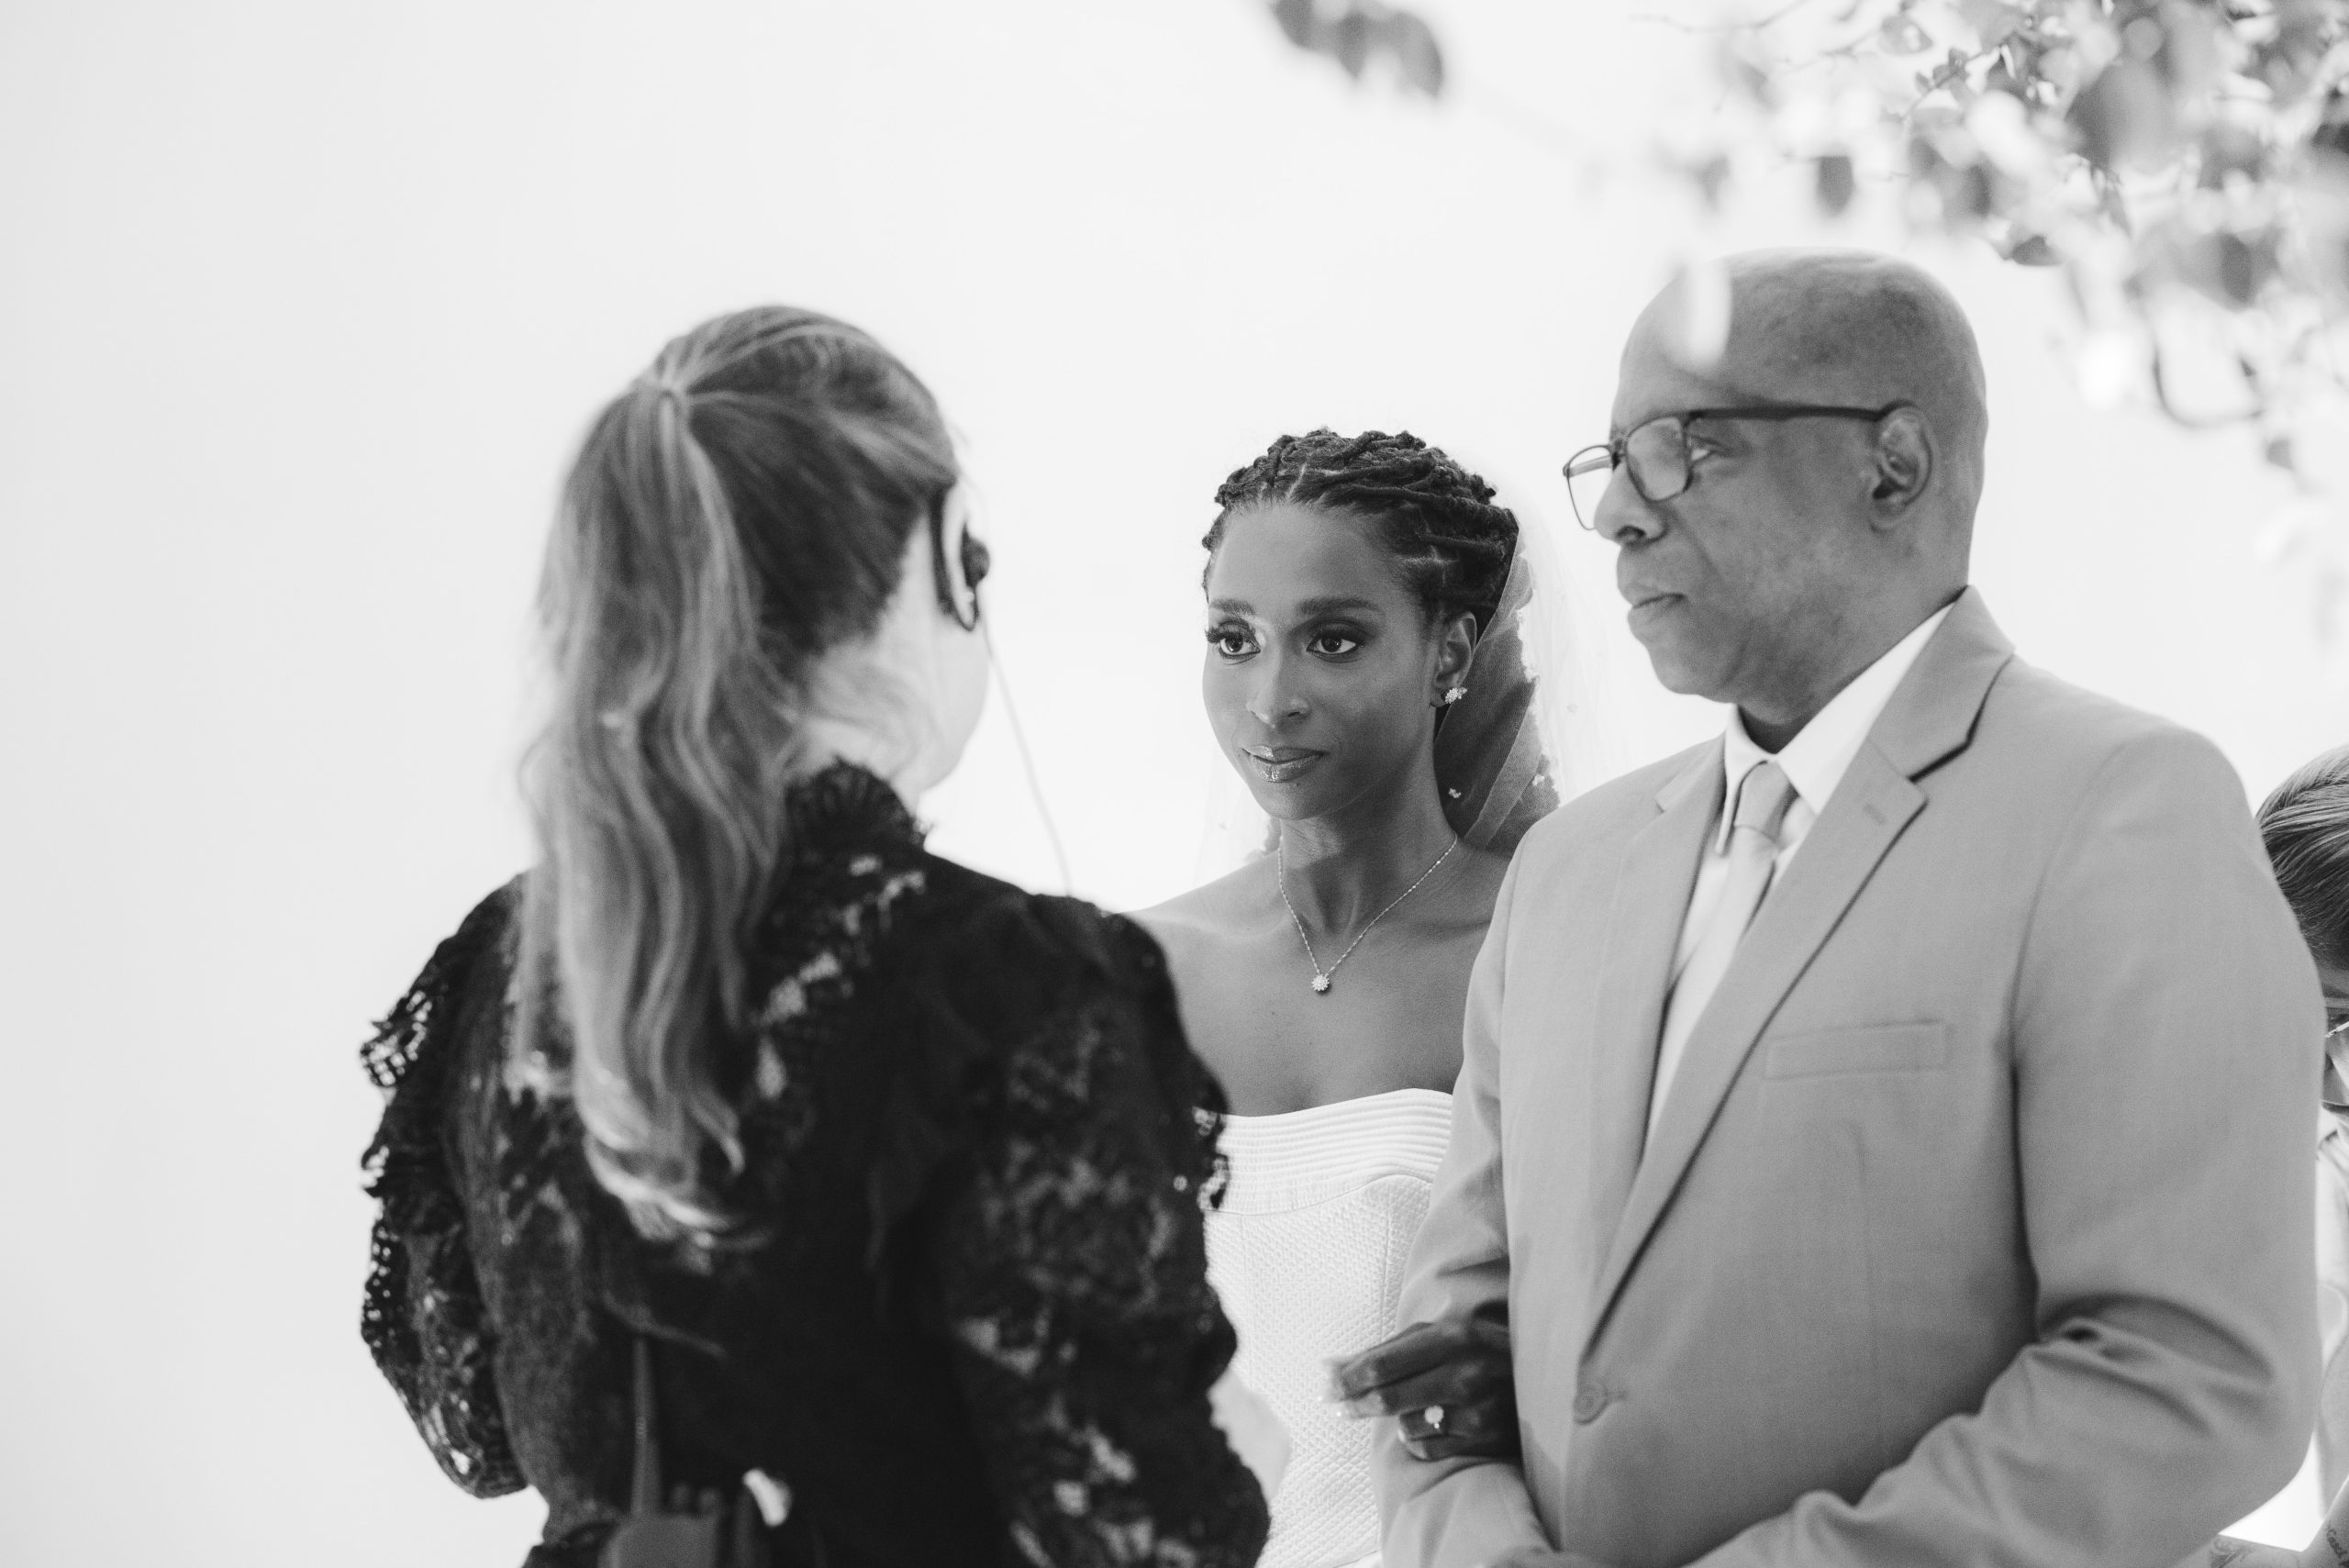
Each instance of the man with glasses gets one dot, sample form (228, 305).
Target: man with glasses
(1884, 1131)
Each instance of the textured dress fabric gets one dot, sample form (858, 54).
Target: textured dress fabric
(1307, 1252)
(962, 1311)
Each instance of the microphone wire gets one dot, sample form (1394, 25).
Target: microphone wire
(1027, 760)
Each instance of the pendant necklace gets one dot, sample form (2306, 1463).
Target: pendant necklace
(1321, 977)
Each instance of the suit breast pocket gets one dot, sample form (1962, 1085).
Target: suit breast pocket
(1866, 1048)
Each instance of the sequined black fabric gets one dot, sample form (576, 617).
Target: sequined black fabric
(965, 1316)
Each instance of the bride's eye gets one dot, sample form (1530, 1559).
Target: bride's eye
(1332, 644)
(1230, 641)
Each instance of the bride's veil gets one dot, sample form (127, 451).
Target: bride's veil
(1532, 731)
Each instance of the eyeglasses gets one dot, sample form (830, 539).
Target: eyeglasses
(958, 594)
(1656, 452)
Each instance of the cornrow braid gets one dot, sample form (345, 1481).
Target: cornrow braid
(1451, 542)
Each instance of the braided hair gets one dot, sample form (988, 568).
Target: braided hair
(1451, 543)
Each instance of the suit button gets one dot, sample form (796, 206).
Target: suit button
(1589, 1400)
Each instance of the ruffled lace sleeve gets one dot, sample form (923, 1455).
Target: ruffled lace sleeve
(1072, 1266)
(424, 1318)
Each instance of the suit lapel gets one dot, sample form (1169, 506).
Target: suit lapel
(1642, 930)
(1871, 807)
(1930, 716)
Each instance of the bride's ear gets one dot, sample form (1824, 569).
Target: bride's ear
(1455, 654)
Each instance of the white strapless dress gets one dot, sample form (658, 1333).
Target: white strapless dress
(1308, 1254)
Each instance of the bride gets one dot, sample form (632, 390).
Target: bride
(1366, 678)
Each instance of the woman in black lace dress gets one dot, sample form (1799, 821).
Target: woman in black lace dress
(885, 1172)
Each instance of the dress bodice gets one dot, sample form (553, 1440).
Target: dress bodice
(961, 1308)
(1307, 1252)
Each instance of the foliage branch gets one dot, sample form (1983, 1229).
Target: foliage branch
(2185, 163)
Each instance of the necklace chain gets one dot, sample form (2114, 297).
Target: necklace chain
(1322, 977)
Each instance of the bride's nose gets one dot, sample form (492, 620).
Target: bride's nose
(1276, 699)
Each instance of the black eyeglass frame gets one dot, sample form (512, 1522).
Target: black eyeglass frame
(1615, 454)
(975, 562)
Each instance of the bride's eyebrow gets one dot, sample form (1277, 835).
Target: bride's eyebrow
(1323, 607)
(1232, 606)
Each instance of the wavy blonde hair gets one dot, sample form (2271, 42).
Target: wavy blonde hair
(742, 507)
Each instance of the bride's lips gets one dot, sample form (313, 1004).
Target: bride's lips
(1281, 764)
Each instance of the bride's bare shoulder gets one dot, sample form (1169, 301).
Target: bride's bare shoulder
(1212, 908)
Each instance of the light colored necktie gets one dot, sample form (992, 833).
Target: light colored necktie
(1763, 799)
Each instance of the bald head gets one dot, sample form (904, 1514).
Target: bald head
(1855, 329)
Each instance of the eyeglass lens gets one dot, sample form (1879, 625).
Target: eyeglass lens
(1655, 452)
(1589, 472)
(1657, 455)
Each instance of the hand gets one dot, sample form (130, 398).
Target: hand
(1449, 1384)
(2229, 1552)
(2331, 1547)
(1542, 1557)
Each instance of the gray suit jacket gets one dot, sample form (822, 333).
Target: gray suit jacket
(1976, 1229)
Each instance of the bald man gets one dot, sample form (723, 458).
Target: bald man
(1884, 1129)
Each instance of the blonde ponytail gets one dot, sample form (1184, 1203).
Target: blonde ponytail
(739, 510)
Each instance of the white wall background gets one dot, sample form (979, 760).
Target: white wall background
(301, 308)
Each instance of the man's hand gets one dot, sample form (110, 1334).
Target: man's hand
(2229, 1552)
(1538, 1557)
(1448, 1383)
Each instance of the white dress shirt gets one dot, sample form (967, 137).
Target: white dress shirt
(1815, 762)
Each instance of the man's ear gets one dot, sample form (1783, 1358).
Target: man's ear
(1903, 463)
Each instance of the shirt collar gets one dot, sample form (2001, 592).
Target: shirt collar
(1819, 756)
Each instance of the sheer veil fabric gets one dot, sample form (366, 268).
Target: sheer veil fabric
(1532, 731)
(1308, 1248)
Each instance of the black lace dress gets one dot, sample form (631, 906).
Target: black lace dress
(969, 1323)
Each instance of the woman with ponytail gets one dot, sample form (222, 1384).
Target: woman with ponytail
(756, 1185)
